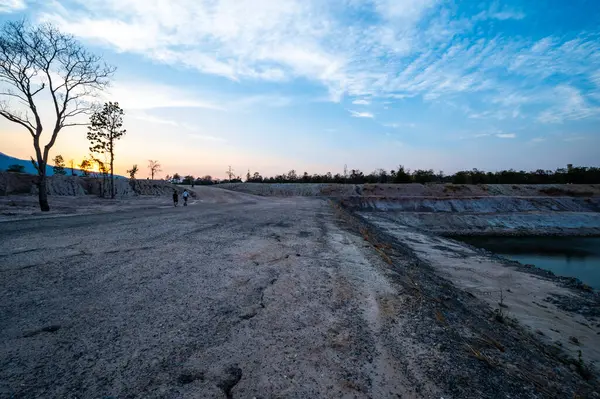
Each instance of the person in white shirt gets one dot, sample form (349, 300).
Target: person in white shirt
(186, 194)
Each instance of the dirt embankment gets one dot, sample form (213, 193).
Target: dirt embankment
(21, 183)
(392, 191)
(450, 209)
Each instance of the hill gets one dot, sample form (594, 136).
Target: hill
(7, 160)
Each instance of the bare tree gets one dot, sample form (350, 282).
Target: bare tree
(40, 59)
(154, 168)
(230, 174)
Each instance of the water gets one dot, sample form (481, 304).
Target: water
(564, 256)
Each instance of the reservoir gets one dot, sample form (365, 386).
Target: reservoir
(565, 256)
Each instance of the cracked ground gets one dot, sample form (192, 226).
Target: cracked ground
(263, 297)
(260, 298)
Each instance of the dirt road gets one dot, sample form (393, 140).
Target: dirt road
(256, 298)
(237, 300)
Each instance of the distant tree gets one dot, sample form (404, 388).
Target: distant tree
(85, 167)
(72, 167)
(106, 128)
(16, 168)
(291, 176)
(188, 180)
(103, 174)
(154, 167)
(133, 171)
(461, 177)
(256, 178)
(381, 175)
(177, 177)
(59, 165)
(40, 62)
(402, 176)
(423, 176)
(230, 174)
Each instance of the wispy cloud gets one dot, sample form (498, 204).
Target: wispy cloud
(396, 125)
(262, 100)
(506, 135)
(205, 137)
(499, 12)
(537, 140)
(570, 104)
(356, 114)
(8, 6)
(146, 95)
(410, 48)
(153, 119)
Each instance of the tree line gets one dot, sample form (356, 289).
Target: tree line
(570, 174)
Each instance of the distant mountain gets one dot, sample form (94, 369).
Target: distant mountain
(7, 160)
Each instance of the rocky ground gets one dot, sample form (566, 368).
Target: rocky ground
(243, 296)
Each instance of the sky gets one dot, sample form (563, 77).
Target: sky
(313, 85)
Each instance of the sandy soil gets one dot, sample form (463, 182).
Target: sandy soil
(236, 296)
(525, 296)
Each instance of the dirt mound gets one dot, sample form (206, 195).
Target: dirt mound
(21, 183)
(415, 190)
(480, 205)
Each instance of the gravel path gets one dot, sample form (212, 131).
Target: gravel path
(242, 297)
(262, 299)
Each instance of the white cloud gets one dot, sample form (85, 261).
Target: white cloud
(570, 104)
(404, 9)
(356, 114)
(144, 95)
(496, 11)
(398, 125)
(261, 100)
(506, 135)
(142, 116)
(8, 6)
(538, 140)
(410, 48)
(361, 102)
(205, 137)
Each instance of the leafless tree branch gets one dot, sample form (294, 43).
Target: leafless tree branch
(34, 59)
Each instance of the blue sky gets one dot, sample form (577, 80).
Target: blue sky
(312, 85)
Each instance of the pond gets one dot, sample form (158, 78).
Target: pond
(564, 256)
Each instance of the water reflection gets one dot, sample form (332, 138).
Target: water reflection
(566, 256)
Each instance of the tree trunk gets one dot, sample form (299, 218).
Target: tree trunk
(112, 176)
(43, 193)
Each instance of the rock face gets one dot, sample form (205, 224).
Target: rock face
(21, 183)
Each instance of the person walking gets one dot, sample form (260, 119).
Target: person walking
(175, 197)
(186, 195)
